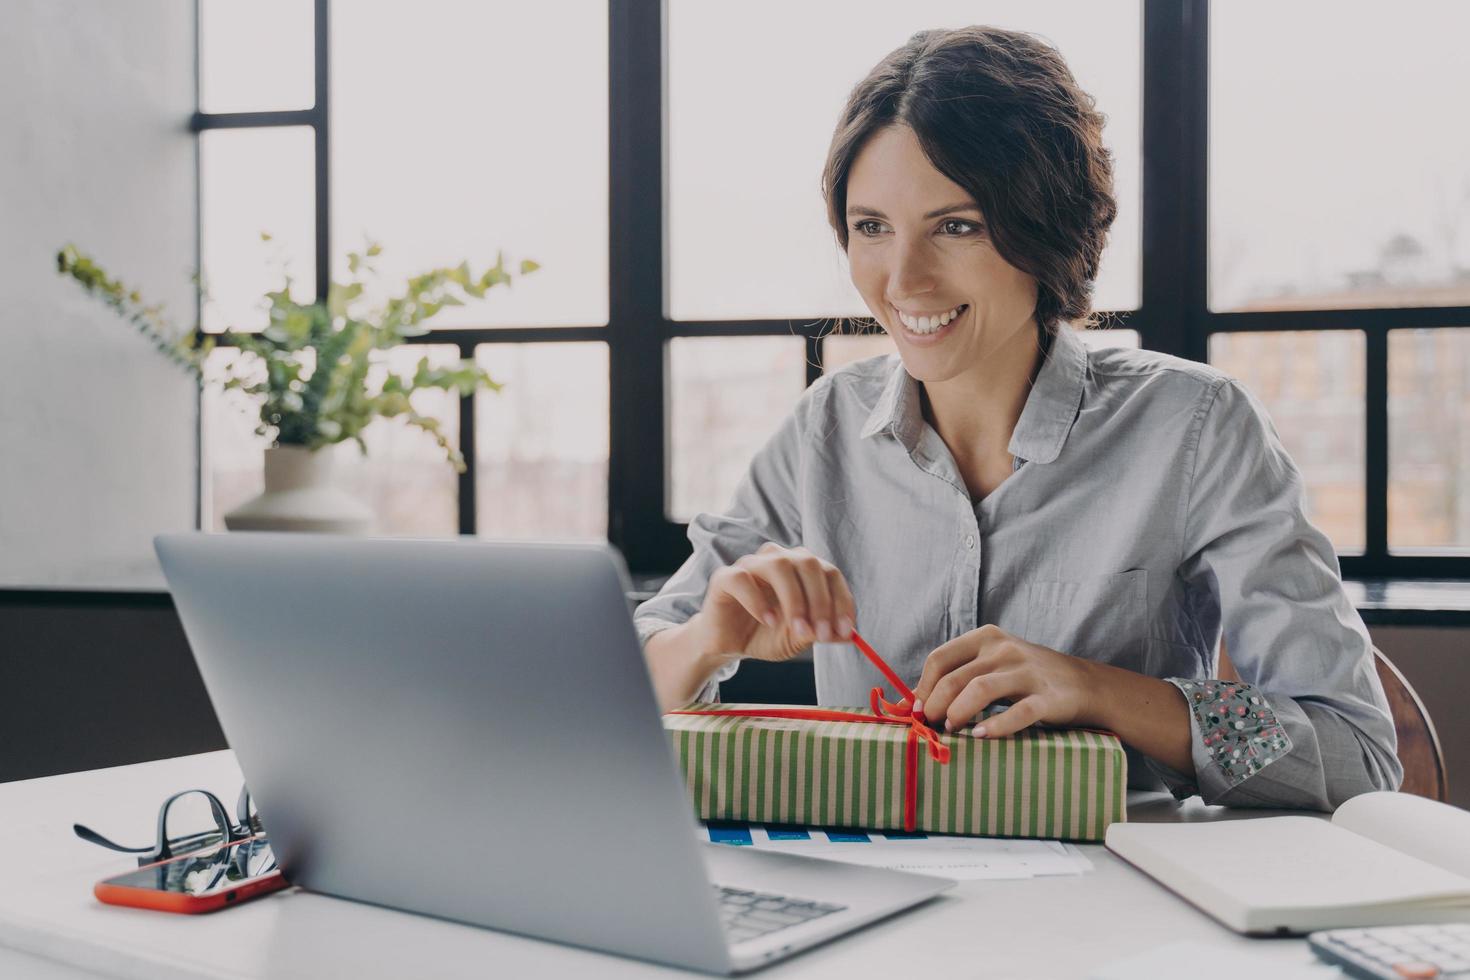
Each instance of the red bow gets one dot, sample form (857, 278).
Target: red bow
(884, 713)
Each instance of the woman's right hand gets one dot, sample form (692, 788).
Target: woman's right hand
(773, 604)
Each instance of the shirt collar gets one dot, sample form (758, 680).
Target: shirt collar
(1046, 419)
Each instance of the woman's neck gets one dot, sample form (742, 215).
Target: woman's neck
(976, 412)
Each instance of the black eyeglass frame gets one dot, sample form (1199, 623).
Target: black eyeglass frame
(227, 831)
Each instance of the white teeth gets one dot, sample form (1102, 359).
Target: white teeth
(928, 324)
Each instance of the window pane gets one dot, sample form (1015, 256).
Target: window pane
(405, 477)
(541, 442)
(255, 181)
(840, 350)
(1311, 383)
(256, 56)
(729, 394)
(1103, 339)
(1330, 185)
(231, 452)
(750, 121)
(1429, 440)
(468, 128)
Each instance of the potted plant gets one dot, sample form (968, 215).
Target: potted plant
(309, 368)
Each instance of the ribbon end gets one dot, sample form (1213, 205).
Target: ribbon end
(883, 707)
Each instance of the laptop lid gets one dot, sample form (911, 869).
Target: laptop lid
(459, 728)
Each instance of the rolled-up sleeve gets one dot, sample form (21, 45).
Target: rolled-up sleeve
(765, 508)
(1318, 730)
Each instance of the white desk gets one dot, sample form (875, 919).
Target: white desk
(1041, 927)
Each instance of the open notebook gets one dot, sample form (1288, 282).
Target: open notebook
(1383, 859)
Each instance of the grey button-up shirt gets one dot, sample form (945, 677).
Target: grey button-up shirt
(1151, 506)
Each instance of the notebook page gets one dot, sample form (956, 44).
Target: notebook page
(1279, 863)
(1429, 830)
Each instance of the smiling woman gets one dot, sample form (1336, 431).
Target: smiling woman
(963, 317)
(1021, 146)
(1010, 517)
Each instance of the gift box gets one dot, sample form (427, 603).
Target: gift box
(847, 767)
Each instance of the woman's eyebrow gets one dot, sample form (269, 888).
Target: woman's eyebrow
(858, 209)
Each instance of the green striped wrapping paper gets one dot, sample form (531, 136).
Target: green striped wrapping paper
(1044, 783)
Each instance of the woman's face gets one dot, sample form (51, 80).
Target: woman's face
(919, 253)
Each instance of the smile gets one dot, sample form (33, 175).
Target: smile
(928, 324)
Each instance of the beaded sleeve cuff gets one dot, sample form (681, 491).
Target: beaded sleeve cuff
(1238, 726)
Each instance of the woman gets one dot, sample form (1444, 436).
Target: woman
(1008, 517)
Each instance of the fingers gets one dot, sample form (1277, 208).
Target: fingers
(820, 607)
(813, 594)
(946, 658)
(936, 705)
(950, 667)
(846, 606)
(750, 592)
(790, 590)
(1023, 714)
(979, 693)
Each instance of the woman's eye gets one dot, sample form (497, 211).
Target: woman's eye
(954, 226)
(867, 228)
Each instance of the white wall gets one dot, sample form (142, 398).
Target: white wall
(96, 429)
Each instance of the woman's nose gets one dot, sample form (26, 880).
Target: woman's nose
(912, 273)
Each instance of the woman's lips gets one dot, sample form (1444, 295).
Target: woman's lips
(929, 339)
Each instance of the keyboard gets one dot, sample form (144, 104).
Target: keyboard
(1397, 952)
(749, 915)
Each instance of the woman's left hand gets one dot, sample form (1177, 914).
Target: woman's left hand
(972, 671)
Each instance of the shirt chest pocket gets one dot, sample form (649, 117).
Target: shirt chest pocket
(1102, 618)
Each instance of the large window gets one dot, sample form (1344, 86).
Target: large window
(442, 146)
(485, 136)
(748, 232)
(1339, 261)
(1301, 223)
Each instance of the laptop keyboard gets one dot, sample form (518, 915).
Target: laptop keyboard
(748, 914)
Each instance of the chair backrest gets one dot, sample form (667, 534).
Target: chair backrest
(1419, 748)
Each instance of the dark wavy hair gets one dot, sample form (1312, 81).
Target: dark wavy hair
(999, 113)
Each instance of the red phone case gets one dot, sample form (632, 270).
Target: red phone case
(153, 898)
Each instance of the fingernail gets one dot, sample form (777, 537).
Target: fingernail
(978, 731)
(844, 628)
(918, 707)
(948, 725)
(771, 620)
(802, 629)
(824, 632)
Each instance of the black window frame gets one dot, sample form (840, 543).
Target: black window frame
(1173, 314)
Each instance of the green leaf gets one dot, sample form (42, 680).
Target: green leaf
(529, 266)
(340, 296)
(308, 370)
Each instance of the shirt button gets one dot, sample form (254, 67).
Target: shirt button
(970, 541)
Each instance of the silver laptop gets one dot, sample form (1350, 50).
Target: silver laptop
(467, 730)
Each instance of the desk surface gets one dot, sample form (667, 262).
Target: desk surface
(1041, 927)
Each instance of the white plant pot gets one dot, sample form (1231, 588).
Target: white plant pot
(299, 496)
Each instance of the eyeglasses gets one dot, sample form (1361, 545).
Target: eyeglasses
(200, 873)
(189, 821)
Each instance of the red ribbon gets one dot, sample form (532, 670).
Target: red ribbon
(884, 713)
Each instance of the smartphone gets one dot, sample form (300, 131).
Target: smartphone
(201, 881)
